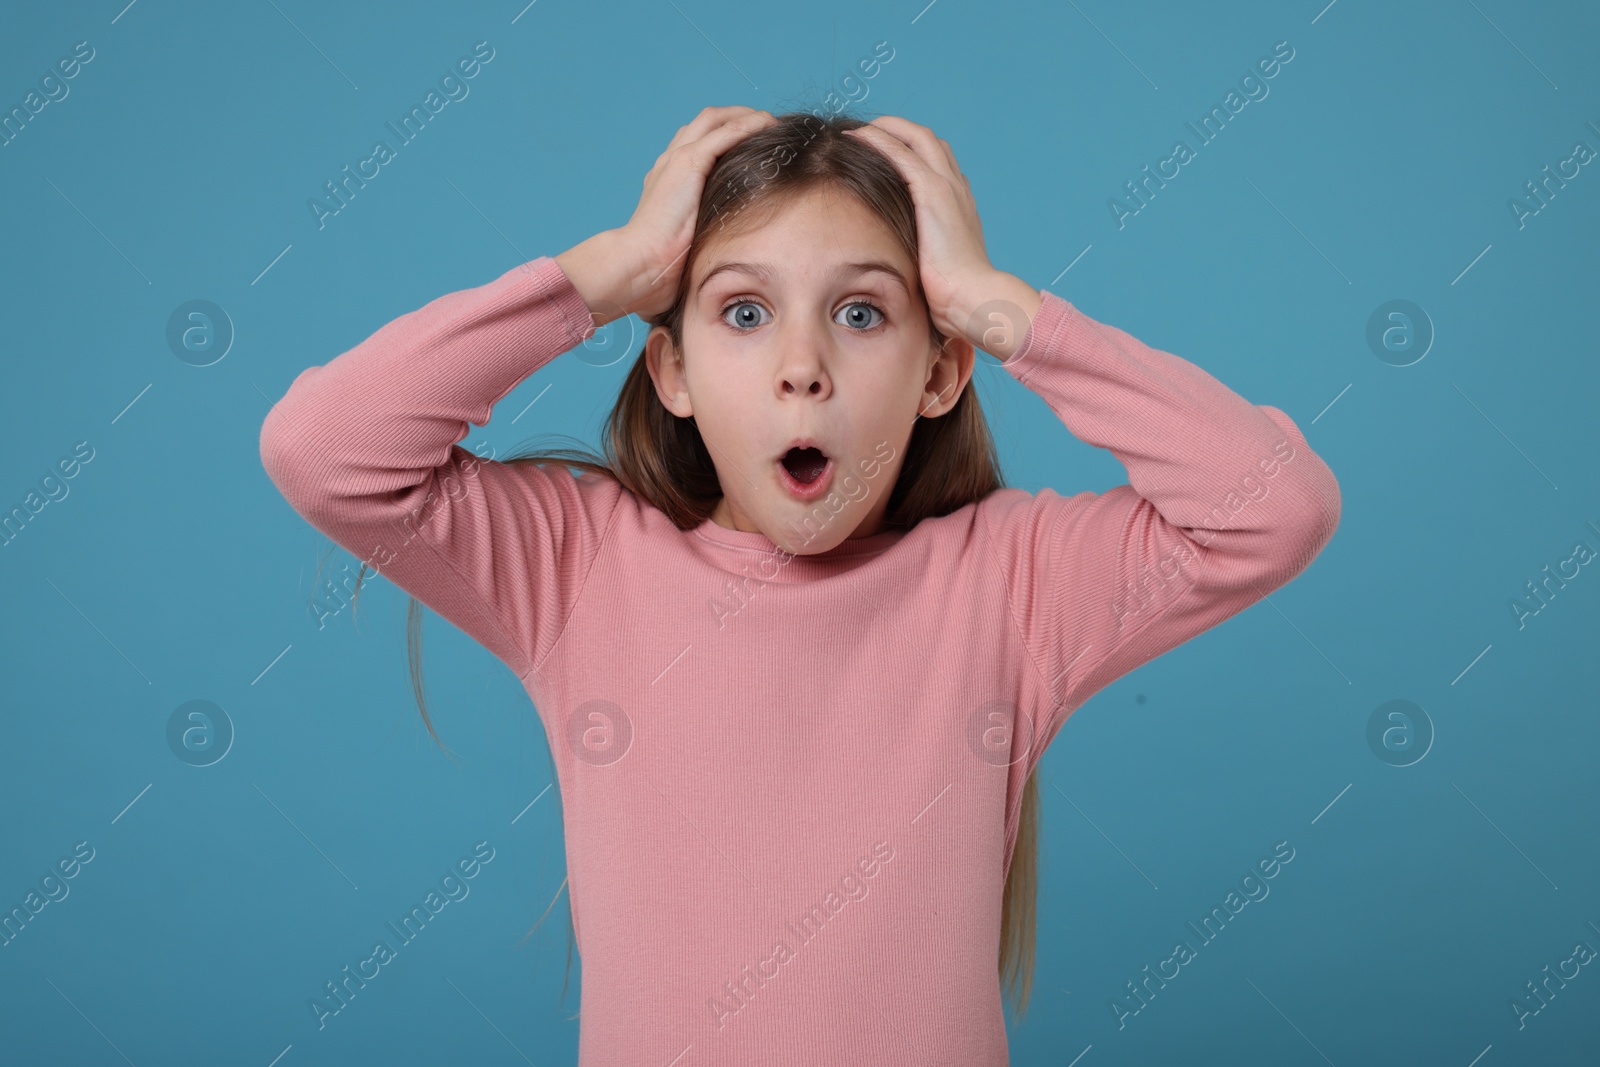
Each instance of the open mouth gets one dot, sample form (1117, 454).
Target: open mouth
(805, 471)
(805, 465)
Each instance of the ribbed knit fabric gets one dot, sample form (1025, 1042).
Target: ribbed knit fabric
(790, 784)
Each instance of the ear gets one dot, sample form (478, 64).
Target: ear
(947, 376)
(665, 363)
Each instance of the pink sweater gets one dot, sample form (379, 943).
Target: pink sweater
(790, 784)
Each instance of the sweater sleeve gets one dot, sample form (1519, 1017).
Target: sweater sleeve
(1225, 502)
(366, 449)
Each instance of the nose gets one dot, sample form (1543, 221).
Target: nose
(802, 369)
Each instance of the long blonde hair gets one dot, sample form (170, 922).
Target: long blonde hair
(950, 460)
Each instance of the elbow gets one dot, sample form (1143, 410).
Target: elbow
(305, 447)
(1328, 506)
(1315, 516)
(273, 445)
(279, 444)
(293, 462)
(279, 456)
(1309, 527)
(1315, 513)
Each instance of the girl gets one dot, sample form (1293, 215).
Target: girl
(796, 649)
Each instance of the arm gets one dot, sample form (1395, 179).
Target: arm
(1225, 502)
(365, 449)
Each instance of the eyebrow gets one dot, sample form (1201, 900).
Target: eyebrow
(765, 271)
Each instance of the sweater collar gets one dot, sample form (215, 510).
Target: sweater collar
(709, 530)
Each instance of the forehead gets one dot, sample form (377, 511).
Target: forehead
(804, 233)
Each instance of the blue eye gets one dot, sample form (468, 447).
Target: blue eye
(744, 319)
(863, 327)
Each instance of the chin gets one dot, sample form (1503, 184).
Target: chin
(803, 542)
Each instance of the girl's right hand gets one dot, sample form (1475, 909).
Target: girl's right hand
(649, 249)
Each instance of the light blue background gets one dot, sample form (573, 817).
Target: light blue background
(1379, 167)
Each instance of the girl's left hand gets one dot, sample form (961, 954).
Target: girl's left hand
(957, 277)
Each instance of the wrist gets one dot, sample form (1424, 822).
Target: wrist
(598, 270)
(996, 312)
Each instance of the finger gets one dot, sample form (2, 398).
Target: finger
(943, 162)
(708, 123)
(708, 119)
(950, 156)
(912, 167)
(704, 151)
(931, 148)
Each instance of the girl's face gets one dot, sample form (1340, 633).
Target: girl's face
(809, 326)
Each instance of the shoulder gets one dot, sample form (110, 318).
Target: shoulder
(1007, 512)
(574, 497)
(1019, 526)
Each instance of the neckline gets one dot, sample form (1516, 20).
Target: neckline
(710, 530)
